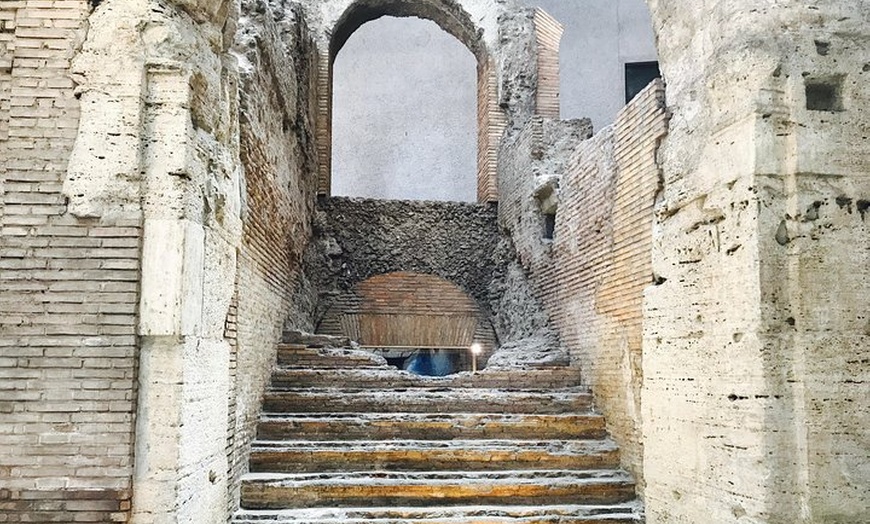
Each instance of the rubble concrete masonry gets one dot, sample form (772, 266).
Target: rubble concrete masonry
(356, 239)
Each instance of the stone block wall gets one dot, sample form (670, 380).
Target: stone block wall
(755, 368)
(68, 292)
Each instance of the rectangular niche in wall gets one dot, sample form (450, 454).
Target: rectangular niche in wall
(638, 75)
(825, 94)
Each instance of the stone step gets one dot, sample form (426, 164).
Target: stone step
(567, 514)
(429, 455)
(426, 426)
(388, 377)
(336, 358)
(428, 400)
(420, 489)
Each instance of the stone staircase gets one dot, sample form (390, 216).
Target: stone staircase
(344, 438)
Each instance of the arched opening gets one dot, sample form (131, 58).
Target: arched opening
(452, 19)
(404, 114)
(419, 322)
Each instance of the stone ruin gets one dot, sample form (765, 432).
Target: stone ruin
(696, 275)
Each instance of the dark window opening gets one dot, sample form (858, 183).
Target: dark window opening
(825, 94)
(638, 75)
(549, 226)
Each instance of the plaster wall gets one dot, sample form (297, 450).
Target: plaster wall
(405, 114)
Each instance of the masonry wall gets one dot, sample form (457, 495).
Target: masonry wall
(755, 369)
(68, 292)
(591, 274)
(280, 181)
(602, 262)
(356, 239)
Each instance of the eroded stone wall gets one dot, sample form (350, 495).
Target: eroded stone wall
(156, 148)
(755, 369)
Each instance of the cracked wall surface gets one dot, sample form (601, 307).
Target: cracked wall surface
(755, 344)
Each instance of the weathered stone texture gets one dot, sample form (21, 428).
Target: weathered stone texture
(156, 219)
(158, 145)
(755, 343)
(591, 275)
(279, 173)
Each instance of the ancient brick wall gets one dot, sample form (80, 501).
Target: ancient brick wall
(602, 261)
(68, 293)
(591, 274)
(280, 182)
(409, 309)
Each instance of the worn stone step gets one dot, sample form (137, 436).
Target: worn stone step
(297, 356)
(432, 455)
(566, 514)
(389, 377)
(288, 491)
(420, 426)
(427, 400)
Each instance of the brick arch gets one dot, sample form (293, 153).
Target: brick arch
(450, 16)
(411, 309)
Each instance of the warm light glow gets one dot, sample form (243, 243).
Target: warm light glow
(476, 349)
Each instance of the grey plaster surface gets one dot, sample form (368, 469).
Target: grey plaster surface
(405, 114)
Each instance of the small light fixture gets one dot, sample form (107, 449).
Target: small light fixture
(476, 350)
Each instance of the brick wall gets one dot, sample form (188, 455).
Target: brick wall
(491, 124)
(548, 37)
(592, 274)
(607, 200)
(68, 293)
(410, 309)
(280, 184)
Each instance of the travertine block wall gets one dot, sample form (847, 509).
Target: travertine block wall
(755, 369)
(68, 292)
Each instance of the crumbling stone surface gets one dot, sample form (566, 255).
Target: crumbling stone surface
(313, 340)
(148, 267)
(755, 339)
(356, 239)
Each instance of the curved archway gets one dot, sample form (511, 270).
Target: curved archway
(405, 311)
(452, 18)
(405, 114)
